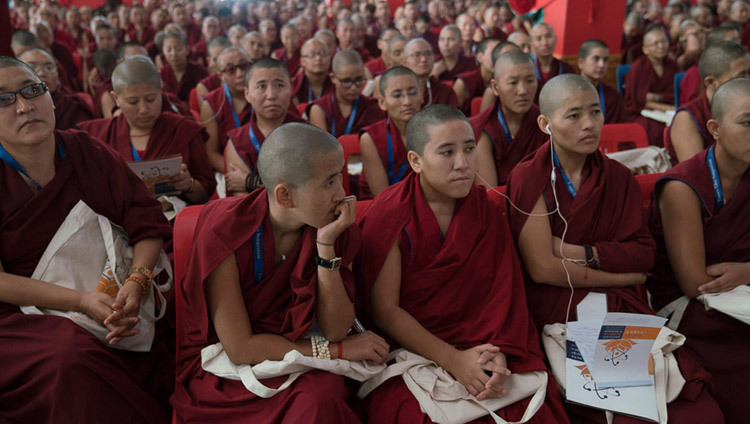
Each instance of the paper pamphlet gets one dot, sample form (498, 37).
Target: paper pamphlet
(155, 174)
(664, 117)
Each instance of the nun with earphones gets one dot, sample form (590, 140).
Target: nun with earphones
(579, 226)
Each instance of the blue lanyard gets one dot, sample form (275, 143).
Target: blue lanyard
(539, 73)
(13, 163)
(136, 156)
(391, 179)
(504, 124)
(715, 180)
(351, 116)
(253, 138)
(231, 106)
(258, 254)
(601, 97)
(310, 93)
(568, 184)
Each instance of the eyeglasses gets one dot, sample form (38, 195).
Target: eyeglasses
(313, 54)
(348, 82)
(658, 43)
(230, 69)
(425, 54)
(46, 67)
(28, 92)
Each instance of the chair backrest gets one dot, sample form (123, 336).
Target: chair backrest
(194, 101)
(677, 81)
(617, 137)
(647, 183)
(301, 108)
(350, 143)
(621, 71)
(476, 104)
(667, 138)
(184, 228)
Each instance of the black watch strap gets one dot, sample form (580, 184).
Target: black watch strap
(329, 264)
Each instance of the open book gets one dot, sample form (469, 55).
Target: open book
(156, 173)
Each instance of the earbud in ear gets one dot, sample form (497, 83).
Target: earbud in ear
(548, 130)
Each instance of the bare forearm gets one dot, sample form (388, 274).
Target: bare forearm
(261, 347)
(554, 274)
(146, 252)
(23, 291)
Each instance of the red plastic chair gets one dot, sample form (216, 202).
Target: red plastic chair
(301, 108)
(476, 104)
(194, 101)
(647, 183)
(667, 140)
(618, 137)
(350, 143)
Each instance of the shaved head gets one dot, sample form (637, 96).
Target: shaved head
(345, 58)
(556, 89)
(288, 153)
(37, 50)
(717, 58)
(511, 58)
(134, 71)
(727, 95)
(418, 129)
(392, 73)
(502, 48)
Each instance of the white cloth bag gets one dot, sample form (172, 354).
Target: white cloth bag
(215, 360)
(735, 303)
(76, 257)
(668, 381)
(445, 400)
(644, 160)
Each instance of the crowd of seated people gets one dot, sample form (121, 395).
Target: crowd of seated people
(484, 202)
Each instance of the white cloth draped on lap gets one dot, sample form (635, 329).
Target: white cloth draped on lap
(214, 359)
(445, 400)
(735, 303)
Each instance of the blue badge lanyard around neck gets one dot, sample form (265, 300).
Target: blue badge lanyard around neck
(539, 72)
(237, 123)
(258, 254)
(568, 184)
(351, 116)
(13, 163)
(715, 180)
(601, 97)
(253, 138)
(310, 94)
(504, 124)
(391, 178)
(136, 156)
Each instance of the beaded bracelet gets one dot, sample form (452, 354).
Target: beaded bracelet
(320, 347)
(139, 280)
(146, 272)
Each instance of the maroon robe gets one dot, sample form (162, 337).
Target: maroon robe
(691, 85)
(368, 113)
(464, 64)
(474, 83)
(558, 67)
(614, 105)
(56, 371)
(199, 50)
(451, 285)
(440, 94)
(700, 110)
(641, 80)
(632, 49)
(282, 303)
(145, 36)
(212, 81)
(65, 57)
(607, 213)
(292, 63)
(171, 135)
(243, 144)
(507, 154)
(193, 75)
(101, 89)
(720, 341)
(495, 32)
(69, 109)
(171, 103)
(376, 66)
(302, 92)
(224, 113)
(379, 133)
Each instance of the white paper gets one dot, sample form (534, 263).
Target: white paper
(661, 116)
(585, 335)
(156, 173)
(593, 307)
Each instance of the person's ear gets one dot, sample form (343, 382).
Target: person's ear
(708, 81)
(381, 102)
(493, 87)
(114, 96)
(713, 128)
(543, 123)
(247, 93)
(580, 63)
(283, 195)
(415, 161)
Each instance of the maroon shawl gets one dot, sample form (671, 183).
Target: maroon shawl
(292, 63)
(193, 75)
(69, 109)
(379, 133)
(368, 113)
(301, 89)
(376, 66)
(222, 108)
(243, 144)
(442, 94)
(464, 64)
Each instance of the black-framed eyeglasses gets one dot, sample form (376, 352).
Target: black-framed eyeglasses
(29, 92)
(348, 82)
(230, 69)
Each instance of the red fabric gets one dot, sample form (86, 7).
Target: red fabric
(6, 31)
(700, 110)
(193, 75)
(464, 64)
(527, 139)
(607, 214)
(368, 113)
(379, 134)
(489, 309)
(52, 357)
(172, 135)
(376, 66)
(101, 89)
(641, 80)
(282, 303)
(69, 109)
(171, 103)
(614, 106)
(691, 85)
(555, 70)
(222, 108)
(147, 34)
(292, 63)
(494, 33)
(244, 146)
(720, 342)
(442, 94)
(65, 57)
(474, 83)
(300, 87)
(212, 81)
(193, 33)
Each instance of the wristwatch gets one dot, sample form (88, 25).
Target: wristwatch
(329, 264)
